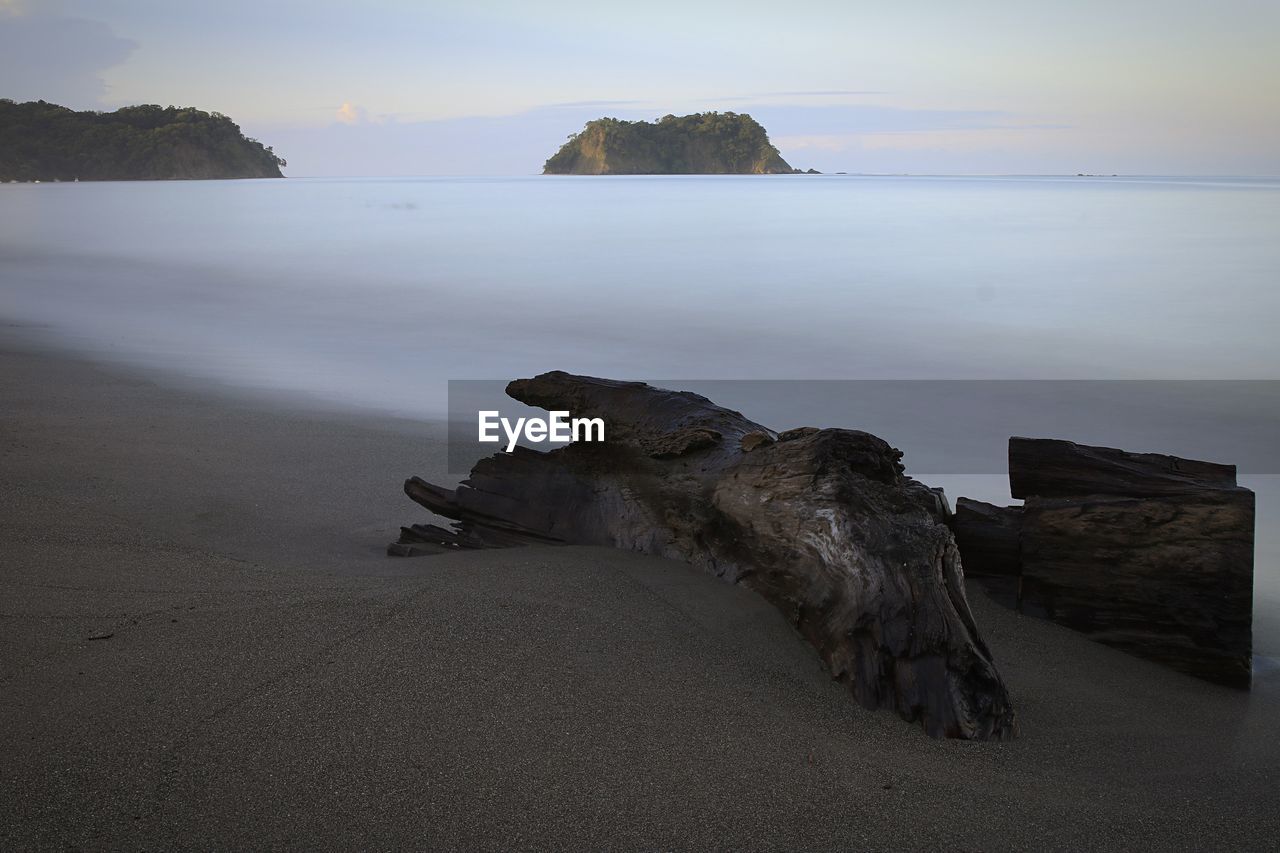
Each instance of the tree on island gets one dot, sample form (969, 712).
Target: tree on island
(711, 143)
(40, 141)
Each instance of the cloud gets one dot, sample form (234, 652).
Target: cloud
(794, 119)
(577, 104)
(810, 93)
(823, 135)
(478, 145)
(818, 93)
(899, 139)
(814, 120)
(350, 113)
(914, 140)
(55, 58)
(815, 142)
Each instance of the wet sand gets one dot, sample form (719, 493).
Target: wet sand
(202, 644)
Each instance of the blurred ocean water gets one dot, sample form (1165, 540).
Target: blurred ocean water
(373, 293)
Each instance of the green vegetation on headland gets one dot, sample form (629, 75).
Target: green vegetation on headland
(40, 141)
(700, 144)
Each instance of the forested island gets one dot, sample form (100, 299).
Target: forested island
(710, 143)
(40, 141)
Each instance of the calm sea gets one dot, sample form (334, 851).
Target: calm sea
(374, 293)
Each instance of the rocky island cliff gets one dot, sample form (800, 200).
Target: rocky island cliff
(701, 144)
(40, 141)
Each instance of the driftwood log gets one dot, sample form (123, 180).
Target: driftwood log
(1052, 468)
(987, 536)
(1148, 553)
(822, 523)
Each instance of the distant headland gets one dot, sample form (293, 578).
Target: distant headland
(710, 143)
(40, 141)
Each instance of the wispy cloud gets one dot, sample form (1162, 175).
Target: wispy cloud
(576, 104)
(805, 94)
(821, 119)
(520, 142)
(818, 93)
(350, 113)
(860, 135)
(56, 58)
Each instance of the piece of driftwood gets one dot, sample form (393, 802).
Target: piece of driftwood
(1151, 554)
(1169, 579)
(1052, 468)
(987, 536)
(822, 523)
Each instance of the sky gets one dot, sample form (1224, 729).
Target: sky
(436, 87)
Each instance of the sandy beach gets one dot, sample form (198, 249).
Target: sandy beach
(203, 645)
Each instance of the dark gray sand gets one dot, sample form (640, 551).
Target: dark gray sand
(266, 677)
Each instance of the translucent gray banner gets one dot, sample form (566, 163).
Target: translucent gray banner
(963, 426)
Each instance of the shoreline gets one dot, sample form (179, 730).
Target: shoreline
(36, 340)
(265, 675)
(42, 340)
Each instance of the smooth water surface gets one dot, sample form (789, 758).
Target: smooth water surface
(376, 291)
(373, 293)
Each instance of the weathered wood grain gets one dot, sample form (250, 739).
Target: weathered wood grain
(1051, 468)
(822, 523)
(987, 536)
(1169, 578)
(1148, 553)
